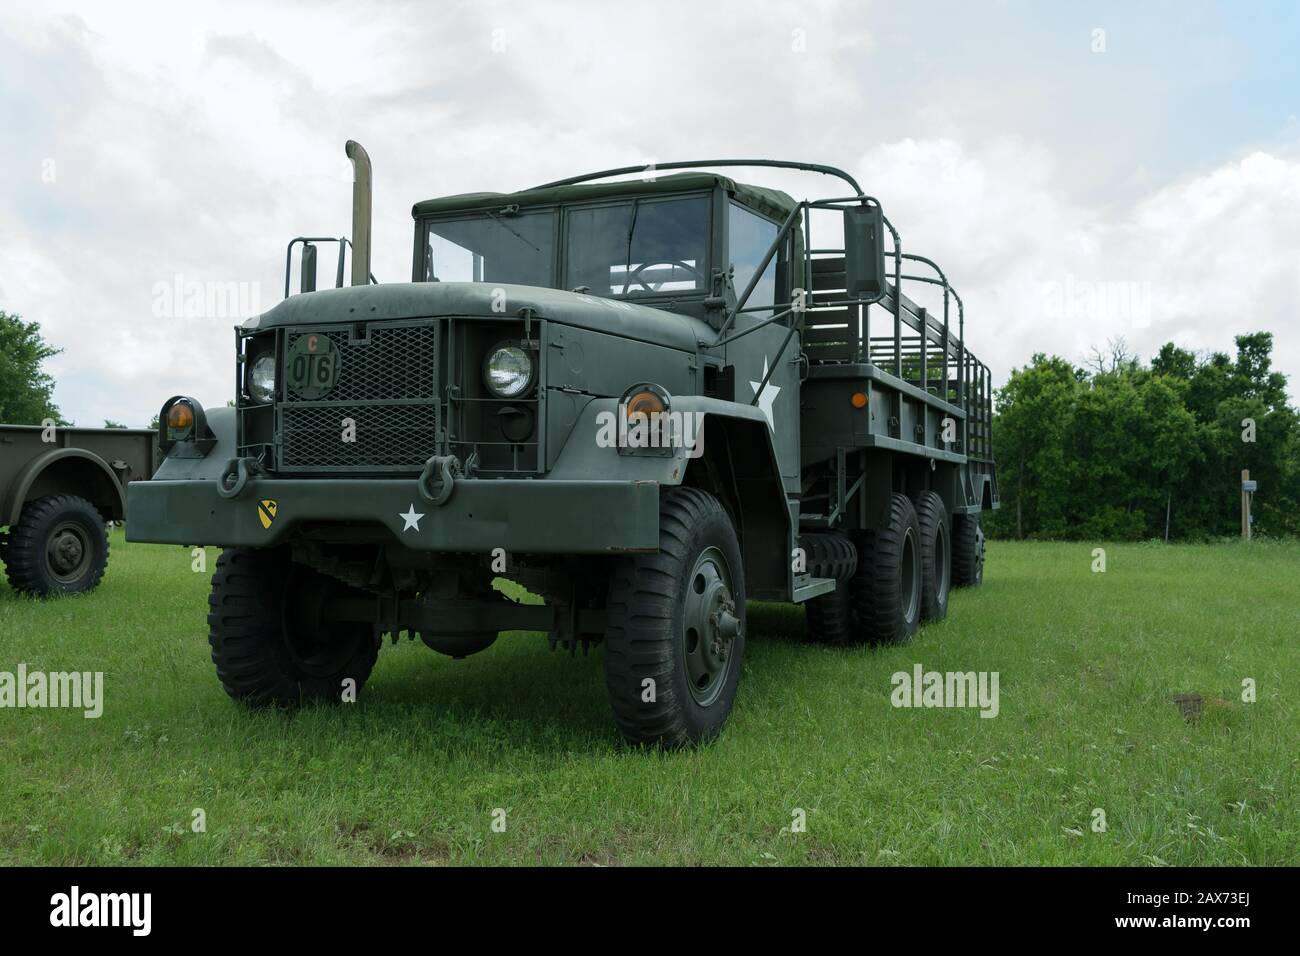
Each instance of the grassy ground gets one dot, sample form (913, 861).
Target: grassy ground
(1089, 665)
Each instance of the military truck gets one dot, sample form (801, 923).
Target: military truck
(58, 488)
(644, 400)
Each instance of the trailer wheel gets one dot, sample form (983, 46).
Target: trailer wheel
(270, 640)
(830, 617)
(936, 556)
(675, 626)
(887, 588)
(58, 546)
(967, 551)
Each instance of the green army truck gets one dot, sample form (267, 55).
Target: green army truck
(646, 400)
(58, 489)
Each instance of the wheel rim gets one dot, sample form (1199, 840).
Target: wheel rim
(710, 627)
(67, 552)
(911, 575)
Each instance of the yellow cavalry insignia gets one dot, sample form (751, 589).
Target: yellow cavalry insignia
(266, 509)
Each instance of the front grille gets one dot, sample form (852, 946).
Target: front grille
(387, 436)
(387, 387)
(392, 362)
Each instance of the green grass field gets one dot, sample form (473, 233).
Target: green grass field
(1089, 665)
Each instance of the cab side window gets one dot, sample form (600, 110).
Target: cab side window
(750, 236)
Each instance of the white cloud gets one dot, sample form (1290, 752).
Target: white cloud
(1196, 261)
(196, 140)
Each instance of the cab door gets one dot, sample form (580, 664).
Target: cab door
(755, 357)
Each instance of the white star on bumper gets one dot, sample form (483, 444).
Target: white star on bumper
(411, 518)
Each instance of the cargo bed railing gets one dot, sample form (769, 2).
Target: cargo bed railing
(838, 330)
(916, 346)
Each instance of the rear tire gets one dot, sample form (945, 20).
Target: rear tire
(887, 588)
(967, 551)
(830, 618)
(936, 556)
(675, 626)
(58, 546)
(269, 640)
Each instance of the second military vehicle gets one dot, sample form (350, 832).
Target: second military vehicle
(645, 400)
(58, 489)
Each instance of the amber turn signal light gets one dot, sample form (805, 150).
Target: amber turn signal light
(645, 403)
(859, 400)
(180, 417)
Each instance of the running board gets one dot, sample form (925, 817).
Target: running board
(809, 587)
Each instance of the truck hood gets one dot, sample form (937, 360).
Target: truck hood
(409, 300)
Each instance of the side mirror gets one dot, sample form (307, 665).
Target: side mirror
(864, 252)
(307, 276)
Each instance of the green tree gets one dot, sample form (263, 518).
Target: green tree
(1131, 439)
(1035, 413)
(26, 392)
(1117, 451)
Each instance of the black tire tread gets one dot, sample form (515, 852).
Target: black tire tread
(640, 612)
(24, 550)
(243, 613)
(932, 517)
(830, 618)
(877, 588)
(966, 558)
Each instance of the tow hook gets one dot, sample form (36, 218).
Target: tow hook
(240, 469)
(446, 467)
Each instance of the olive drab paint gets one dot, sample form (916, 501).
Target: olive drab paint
(792, 403)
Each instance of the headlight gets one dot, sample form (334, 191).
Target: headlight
(508, 371)
(261, 380)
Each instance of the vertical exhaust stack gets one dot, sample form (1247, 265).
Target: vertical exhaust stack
(360, 212)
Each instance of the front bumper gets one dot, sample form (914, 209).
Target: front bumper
(537, 516)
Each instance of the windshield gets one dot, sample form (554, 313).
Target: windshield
(645, 246)
(629, 248)
(493, 247)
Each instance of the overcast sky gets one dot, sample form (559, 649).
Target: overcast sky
(1081, 171)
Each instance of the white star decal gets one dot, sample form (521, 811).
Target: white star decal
(411, 518)
(768, 397)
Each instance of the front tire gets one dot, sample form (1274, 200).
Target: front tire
(675, 626)
(58, 546)
(270, 641)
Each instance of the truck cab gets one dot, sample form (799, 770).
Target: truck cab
(682, 244)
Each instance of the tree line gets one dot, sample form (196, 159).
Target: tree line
(1122, 450)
